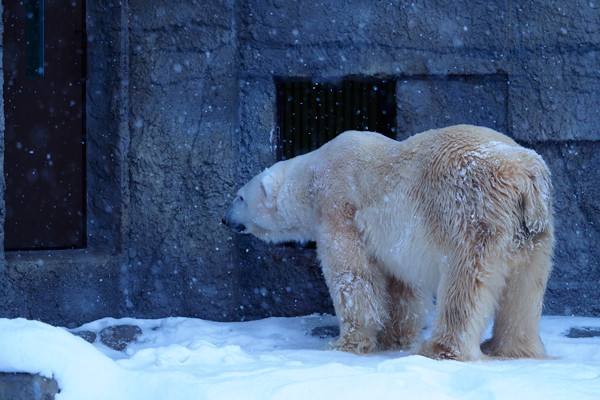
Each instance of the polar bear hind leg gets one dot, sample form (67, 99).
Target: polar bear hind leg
(466, 300)
(516, 323)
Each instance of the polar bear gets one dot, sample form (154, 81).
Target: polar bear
(462, 215)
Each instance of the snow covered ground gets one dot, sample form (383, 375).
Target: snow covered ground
(279, 358)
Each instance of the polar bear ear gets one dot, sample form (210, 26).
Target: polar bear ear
(270, 184)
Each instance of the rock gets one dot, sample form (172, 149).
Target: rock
(325, 332)
(582, 332)
(118, 337)
(22, 386)
(88, 336)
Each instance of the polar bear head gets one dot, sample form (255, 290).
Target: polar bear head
(271, 207)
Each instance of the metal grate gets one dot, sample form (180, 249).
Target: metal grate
(45, 68)
(313, 112)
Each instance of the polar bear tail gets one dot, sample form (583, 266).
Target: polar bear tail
(535, 204)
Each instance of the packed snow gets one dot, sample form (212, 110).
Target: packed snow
(284, 358)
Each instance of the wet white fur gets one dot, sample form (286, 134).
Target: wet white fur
(461, 214)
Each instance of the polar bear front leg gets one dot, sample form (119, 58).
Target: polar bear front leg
(357, 287)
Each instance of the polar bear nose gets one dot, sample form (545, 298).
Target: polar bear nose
(238, 228)
(234, 226)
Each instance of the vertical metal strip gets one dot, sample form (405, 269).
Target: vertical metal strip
(34, 38)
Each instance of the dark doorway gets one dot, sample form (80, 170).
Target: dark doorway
(314, 112)
(45, 66)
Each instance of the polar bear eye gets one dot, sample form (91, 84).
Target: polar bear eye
(241, 198)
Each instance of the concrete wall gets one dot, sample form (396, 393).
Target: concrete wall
(181, 112)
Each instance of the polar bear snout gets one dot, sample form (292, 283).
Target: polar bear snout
(234, 226)
(234, 216)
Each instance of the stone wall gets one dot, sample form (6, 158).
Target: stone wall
(181, 112)
(183, 122)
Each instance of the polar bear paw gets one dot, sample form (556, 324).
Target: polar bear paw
(524, 348)
(354, 343)
(438, 351)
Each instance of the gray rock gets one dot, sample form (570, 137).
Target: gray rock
(20, 386)
(582, 332)
(120, 336)
(88, 336)
(325, 332)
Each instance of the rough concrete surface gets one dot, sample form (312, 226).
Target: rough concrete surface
(181, 106)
